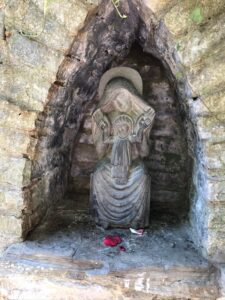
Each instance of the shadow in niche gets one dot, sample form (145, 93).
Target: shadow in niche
(168, 162)
(69, 230)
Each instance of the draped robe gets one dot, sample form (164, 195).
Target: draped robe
(121, 189)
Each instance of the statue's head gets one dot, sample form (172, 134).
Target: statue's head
(122, 112)
(128, 78)
(118, 86)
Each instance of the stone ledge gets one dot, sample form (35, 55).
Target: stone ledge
(40, 276)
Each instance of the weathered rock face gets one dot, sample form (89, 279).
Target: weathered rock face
(42, 124)
(32, 45)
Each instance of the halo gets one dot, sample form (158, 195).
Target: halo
(128, 73)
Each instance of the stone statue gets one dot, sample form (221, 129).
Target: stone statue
(120, 184)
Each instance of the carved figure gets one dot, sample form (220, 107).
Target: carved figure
(120, 184)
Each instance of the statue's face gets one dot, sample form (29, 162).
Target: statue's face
(122, 102)
(122, 106)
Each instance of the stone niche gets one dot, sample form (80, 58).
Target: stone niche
(66, 155)
(53, 219)
(169, 163)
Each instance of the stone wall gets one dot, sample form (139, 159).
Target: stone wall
(32, 46)
(168, 162)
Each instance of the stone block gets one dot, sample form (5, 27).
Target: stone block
(11, 202)
(49, 25)
(211, 128)
(208, 79)
(202, 42)
(215, 103)
(11, 116)
(215, 246)
(77, 10)
(214, 155)
(10, 225)
(4, 56)
(216, 190)
(13, 142)
(24, 86)
(179, 18)
(159, 7)
(216, 216)
(30, 21)
(14, 172)
(211, 105)
(31, 53)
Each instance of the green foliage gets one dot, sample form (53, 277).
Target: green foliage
(196, 15)
(116, 4)
(179, 75)
(178, 47)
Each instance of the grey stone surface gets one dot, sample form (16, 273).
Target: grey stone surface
(68, 250)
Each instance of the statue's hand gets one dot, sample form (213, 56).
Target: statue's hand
(146, 119)
(143, 124)
(102, 124)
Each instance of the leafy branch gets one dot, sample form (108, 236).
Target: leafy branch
(116, 4)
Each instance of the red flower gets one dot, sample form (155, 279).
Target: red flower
(112, 240)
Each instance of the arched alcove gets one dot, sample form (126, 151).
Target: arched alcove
(45, 138)
(168, 162)
(106, 40)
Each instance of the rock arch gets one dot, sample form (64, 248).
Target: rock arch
(105, 38)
